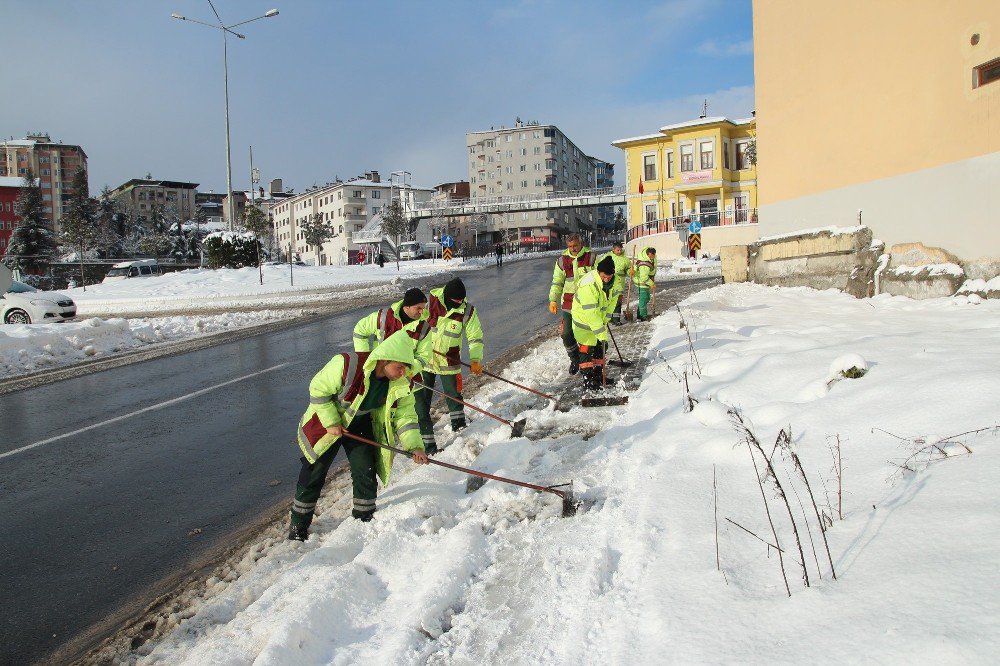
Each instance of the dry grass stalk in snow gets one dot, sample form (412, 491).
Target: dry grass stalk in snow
(930, 451)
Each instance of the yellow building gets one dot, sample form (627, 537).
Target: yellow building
(890, 108)
(695, 171)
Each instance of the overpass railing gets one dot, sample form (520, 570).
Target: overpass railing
(538, 197)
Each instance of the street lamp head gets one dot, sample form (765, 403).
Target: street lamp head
(239, 35)
(177, 16)
(270, 12)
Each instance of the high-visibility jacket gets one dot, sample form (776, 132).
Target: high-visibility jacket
(447, 326)
(566, 276)
(645, 270)
(370, 331)
(622, 263)
(336, 394)
(592, 307)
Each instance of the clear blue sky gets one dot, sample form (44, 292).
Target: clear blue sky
(331, 88)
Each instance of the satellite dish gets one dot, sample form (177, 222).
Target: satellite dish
(6, 278)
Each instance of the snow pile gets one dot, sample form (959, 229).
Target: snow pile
(931, 270)
(700, 267)
(832, 230)
(497, 576)
(26, 348)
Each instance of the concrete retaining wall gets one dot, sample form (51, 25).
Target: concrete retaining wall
(713, 239)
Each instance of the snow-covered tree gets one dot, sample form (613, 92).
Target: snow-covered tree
(109, 225)
(32, 244)
(395, 225)
(78, 229)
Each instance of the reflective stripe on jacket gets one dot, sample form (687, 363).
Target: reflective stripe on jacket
(447, 324)
(337, 391)
(591, 310)
(566, 275)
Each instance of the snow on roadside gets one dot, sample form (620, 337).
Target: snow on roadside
(497, 576)
(26, 348)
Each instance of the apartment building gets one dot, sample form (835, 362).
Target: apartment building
(53, 163)
(527, 159)
(464, 230)
(604, 174)
(141, 196)
(908, 97)
(348, 205)
(10, 188)
(699, 171)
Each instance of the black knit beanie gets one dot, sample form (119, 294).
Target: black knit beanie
(413, 296)
(606, 266)
(454, 292)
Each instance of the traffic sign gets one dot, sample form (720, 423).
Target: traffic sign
(695, 227)
(694, 243)
(446, 253)
(447, 241)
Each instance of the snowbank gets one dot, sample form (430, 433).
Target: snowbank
(497, 576)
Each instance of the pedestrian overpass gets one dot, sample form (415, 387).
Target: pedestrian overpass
(521, 203)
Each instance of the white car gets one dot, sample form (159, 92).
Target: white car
(23, 304)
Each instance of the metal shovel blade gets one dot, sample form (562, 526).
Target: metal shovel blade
(517, 428)
(621, 364)
(570, 504)
(604, 401)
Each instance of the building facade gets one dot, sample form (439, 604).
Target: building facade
(604, 175)
(531, 159)
(347, 205)
(694, 171)
(908, 102)
(176, 199)
(10, 188)
(467, 232)
(53, 163)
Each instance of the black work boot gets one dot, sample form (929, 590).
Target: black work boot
(431, 448)
(363, 516)
(298, 532)
(574, 366)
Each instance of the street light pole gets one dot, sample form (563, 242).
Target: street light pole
(225, 74)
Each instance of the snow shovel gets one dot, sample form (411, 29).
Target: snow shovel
(490, 374)
(569, 503)
(516, 427)
(621, 362)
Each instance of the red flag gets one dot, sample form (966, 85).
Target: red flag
(640, 186)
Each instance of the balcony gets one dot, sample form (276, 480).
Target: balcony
(728, 218)
(354, 217)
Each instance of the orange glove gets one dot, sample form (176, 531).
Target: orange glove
(553, 308)
(476, 367)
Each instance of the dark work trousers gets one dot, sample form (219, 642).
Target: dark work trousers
(616, 316)
(361, 457)
(449, 384)
(569, 342)
(592, 360)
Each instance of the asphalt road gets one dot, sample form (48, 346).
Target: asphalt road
(115, 484)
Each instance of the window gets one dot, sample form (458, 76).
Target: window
(538, 166)
(538, 182)
(524, 151)
(524, 167)
(550, 164)
(725, 154)
(687, 157)
(509, 169)
(707, 154)
(649, 167)
(538, 150)
(340, 195)
(356, 194)
(524, 183)
(510, 153)
(669, 161)
(509, 138)
(510, 185)
(987, 73)
(741, 155)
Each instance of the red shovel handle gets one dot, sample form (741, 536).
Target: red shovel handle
(466, 470)
(503, 379)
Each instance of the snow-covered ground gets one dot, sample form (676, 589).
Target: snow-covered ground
(200, 294)
(639, 575)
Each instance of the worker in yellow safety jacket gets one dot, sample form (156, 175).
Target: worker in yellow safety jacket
(451, 317)
(410, 313)
(593, 306)
(622, 265)
(575, 262)
(364, 394)
(643, 275)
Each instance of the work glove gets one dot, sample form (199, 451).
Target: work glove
(652, 285)
(553, 308)
(476, 367)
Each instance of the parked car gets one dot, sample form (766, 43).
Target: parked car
(130, 269)
(23, 304)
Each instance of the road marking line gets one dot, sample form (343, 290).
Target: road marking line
(141, 411)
